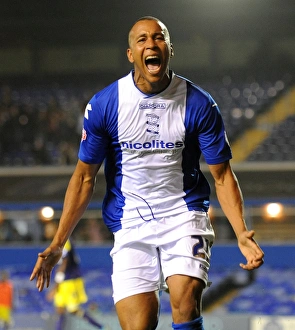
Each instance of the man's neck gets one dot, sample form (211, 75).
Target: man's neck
(148, 87)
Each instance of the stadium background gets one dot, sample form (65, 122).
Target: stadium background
(55, 55)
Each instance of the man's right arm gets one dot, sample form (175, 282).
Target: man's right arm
(77, 198)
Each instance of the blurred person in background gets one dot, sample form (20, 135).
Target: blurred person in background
(68, 293)
(8, 232)
(94, 231)
(150, 129)
(6, 300)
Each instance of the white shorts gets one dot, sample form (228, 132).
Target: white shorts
(146, 254)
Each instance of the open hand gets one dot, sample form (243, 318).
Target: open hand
(44, 265)
(251, 250)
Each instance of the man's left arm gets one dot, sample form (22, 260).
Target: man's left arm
(231, 201)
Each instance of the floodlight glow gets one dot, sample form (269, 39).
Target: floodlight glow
(47, 213)
(274, 210)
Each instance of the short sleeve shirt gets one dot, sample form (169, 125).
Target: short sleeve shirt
(151, 146)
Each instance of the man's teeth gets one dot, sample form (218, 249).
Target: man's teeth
(151, 57)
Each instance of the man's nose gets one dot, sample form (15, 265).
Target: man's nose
(150, 43)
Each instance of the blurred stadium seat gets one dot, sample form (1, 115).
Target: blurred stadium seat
(280, 145)
(272, 293)
(42, 125)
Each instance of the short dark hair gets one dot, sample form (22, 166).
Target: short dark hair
(150, 18)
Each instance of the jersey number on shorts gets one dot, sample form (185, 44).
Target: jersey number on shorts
(201, 249)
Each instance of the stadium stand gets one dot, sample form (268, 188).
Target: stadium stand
(269, 129)
(279, 145)
(272, 293)
(270, 290)
(41, 125)
(241, 103)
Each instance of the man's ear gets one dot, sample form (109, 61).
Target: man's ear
(130, 56)
(171, 50)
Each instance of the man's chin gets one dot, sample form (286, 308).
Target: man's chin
(154, 72)
(155, 75)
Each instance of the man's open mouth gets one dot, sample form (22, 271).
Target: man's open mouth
(153, 63)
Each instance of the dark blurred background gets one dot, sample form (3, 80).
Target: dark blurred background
(54, 55)
(49, 39)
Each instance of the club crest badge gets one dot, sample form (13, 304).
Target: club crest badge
(152, 122)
